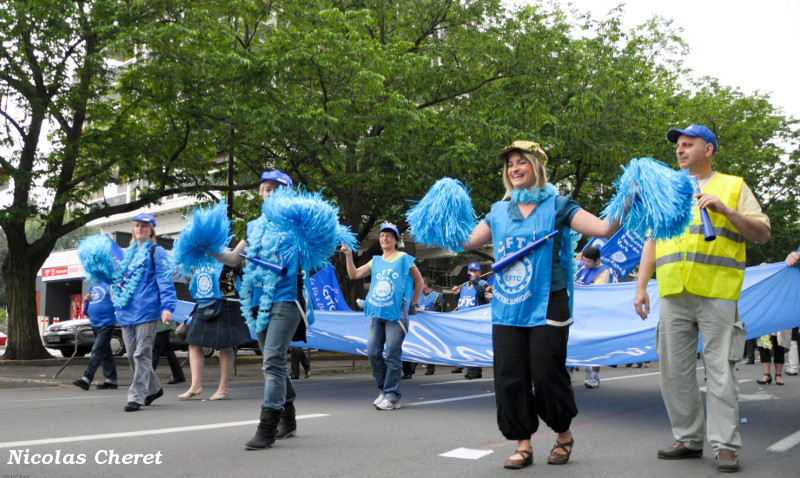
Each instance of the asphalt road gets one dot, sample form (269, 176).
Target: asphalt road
(617, 432)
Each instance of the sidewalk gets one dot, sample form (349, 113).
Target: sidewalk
(40, 373)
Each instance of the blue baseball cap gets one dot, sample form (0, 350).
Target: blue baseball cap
(391, 227)
(145, 218)
(696, 130)
(277, 176)
(473, 266)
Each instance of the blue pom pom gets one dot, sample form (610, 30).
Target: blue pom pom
(444, 217)
(660, 198)
(96, 254)
(208, 230)
(310, 223)
(294, 223)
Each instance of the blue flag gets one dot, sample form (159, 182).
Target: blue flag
(325, 290)
(622, 252)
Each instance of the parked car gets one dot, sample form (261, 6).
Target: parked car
(62, 337)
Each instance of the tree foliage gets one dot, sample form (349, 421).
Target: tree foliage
(369, 101)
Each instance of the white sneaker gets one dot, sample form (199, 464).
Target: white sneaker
(387, 405)
(593, 382)
(588, 375)
(378, 400)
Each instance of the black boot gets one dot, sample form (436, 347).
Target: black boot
(265, 435)
(288, 424)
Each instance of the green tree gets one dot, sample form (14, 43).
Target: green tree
(55, 71)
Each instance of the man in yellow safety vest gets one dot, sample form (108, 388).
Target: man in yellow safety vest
(699, 283)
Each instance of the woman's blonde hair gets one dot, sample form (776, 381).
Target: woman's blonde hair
(152, 233)
(538, 169)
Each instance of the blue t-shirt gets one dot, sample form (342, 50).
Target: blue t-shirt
(566, 208)
(100, 309)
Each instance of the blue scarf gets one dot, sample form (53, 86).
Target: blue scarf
(533, 195)
(124, 285)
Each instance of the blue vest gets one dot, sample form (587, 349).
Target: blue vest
(587, 276)
(468, 297)
(522, 290)
(390, 284)
(427, 301)
(100, 309)
(204, 285)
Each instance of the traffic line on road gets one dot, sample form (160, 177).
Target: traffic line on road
(788, 442)
(450, 382)
(455, 399)
(631, 376)
(105, 436)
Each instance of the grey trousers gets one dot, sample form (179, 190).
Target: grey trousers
(681, 317)
(139, 341)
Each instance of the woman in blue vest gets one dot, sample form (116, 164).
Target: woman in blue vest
(278, 416)
(531, 302)
(100, 311)
(217, 323)
(394, 290)
(143, 293)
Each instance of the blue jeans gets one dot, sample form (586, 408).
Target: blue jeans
(387, 371)
(101, 353)
(274, 342)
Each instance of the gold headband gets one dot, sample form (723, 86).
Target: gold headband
(528, 147)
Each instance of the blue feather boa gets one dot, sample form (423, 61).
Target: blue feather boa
(444, 217)
(533, 195)
(208, 230)
(124, 285)
(95, 255)
(293, 223)
(265, 246)
(660, 199)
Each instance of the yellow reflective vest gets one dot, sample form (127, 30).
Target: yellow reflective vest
(709, 269)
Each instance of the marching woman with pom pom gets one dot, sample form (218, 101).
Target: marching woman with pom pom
(296, 232)
(142, 294)
(283, 320)
(393, 294)
(531, 310)
(216, 323)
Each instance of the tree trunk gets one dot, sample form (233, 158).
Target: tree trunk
(24, 342)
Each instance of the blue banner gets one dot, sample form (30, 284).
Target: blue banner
(325, 290)
(606, 330)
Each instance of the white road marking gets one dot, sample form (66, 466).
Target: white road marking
(105, 436)
(603, 379)
(456, 399)
(786, 443)
(87, 397)
(466, 453)
(450, 382)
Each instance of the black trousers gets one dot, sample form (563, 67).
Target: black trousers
(530, 374)
(298, 357)
(778, 352)
(161, 347)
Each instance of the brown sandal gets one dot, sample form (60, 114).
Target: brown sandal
(558, 458)
(516, 464)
